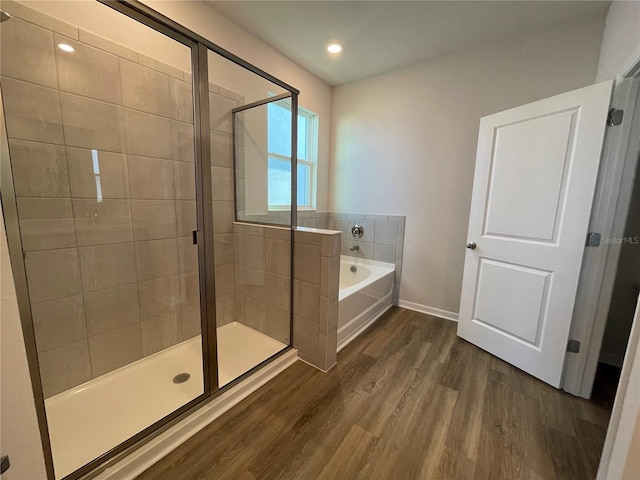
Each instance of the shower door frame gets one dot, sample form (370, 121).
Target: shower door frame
(199, 47)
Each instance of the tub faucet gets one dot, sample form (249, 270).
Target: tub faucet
(354, 247)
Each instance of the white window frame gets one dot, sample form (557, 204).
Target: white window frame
(310, 161)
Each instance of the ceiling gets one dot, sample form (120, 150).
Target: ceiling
(379, 36)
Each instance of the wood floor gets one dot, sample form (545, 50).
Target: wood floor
(407, 400)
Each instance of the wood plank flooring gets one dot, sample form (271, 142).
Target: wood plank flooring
(407, 400)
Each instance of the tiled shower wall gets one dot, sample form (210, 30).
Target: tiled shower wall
(112, 277)
(263, 279)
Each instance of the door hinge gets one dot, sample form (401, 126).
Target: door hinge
(573, 346)
(195, 237)
(614, 118)
(593, 239)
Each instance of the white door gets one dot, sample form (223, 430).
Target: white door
(536, 170)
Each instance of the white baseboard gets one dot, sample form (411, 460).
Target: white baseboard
(613, 359)
(150, 453)
(436, 312)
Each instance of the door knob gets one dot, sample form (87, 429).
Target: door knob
(472, 245)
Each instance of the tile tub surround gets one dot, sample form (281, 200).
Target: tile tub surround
(126, 260)
(263, 279)
(316, 278)
(383, 239)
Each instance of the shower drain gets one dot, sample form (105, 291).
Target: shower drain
(181, 378)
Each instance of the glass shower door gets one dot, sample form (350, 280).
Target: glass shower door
(253, 260)
(100, 126)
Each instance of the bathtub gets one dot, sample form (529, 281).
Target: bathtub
(363, 297)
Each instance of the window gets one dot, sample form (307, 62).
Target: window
(279, 147)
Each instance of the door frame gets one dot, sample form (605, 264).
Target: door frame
(608, 217)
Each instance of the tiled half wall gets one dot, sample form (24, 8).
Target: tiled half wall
(383, 238)
(316, 278)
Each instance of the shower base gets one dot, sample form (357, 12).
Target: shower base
(94, 417)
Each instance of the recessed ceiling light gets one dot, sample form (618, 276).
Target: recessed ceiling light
(66, 47)
(334, 47)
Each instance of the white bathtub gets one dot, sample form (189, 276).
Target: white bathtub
(364, 295)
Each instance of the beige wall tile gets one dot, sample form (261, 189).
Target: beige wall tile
(223, 248)
(306, 262)
(113, 176)
(111, 308)
(277, 290)
(277, 256)
(46, 223)
(277, 233)
(254, 314)
(249, 229)
(107, 266)
(27, 53)
(161, 332)
(225, 92)
(240, 299)
(328, 315)
(150, 178)
(190, 320)
(159, 296)
(100, 223)
(223, 216)
(190, 288)
(181, 102)
(147, 135)
(115, 348)
(222, 183)
(64, 367)
(58, 322)
(153, 219)
(328, 347)
(384, 253)
(92, 124)
(185, 180)
(335, 245)
(225, 280)
(307, 238)
(163, 67)
(32, 112)
(250, 251)
(225, 309)
(220, 112)
(88, 71)
(157, 258)
(324, 275)
(386, 232)
(107, 45)
(39, 169)
(144, 89)
(306, 300)
(334, 276)
(186, 217)
(221, 149)
(187, 255)
(46, 269)
(182, 142)
(305, 337)
(277, 323)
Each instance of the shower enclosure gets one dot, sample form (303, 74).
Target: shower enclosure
(126, 143)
